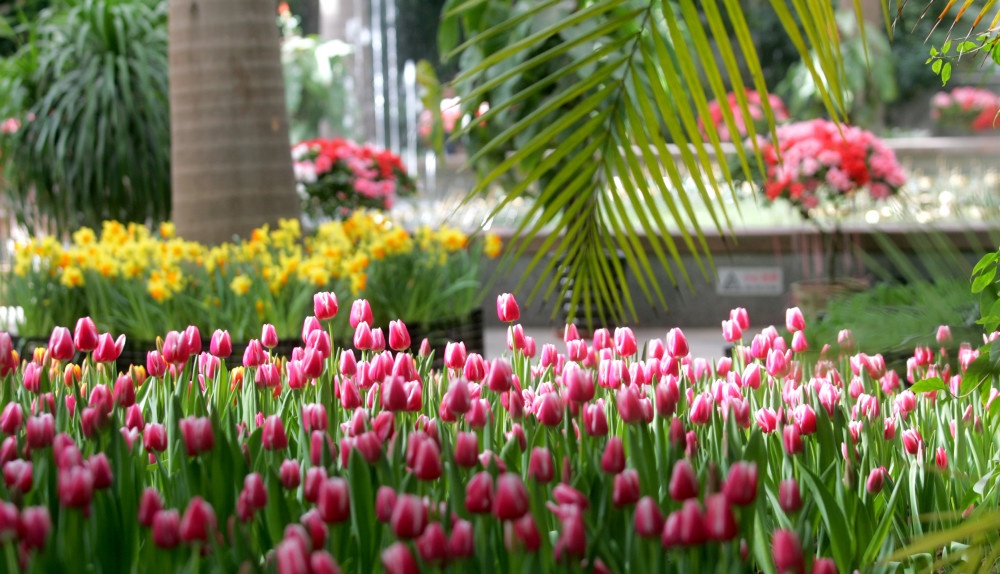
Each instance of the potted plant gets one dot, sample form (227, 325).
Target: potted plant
(823, 170)
(337, 176)
(965, 111)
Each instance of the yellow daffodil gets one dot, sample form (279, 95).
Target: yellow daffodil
(71, 277)
(241, 284)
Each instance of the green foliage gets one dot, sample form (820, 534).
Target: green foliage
(90, 92)
(584, 99)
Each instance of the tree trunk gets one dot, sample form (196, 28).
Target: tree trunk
(232, 168)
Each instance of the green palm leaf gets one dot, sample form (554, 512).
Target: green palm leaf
(592, 101)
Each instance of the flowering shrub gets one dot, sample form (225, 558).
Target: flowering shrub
(595, 458)
(140, 283)
(337, 176)
(755, 107)
(820, 162)
(967, 108)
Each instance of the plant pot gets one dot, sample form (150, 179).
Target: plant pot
(812, 296)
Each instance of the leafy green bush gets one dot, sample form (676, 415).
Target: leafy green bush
(89, 92)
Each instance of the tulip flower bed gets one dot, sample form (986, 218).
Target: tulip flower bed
(603, 456)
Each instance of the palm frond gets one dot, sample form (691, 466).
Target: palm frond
(590, 101)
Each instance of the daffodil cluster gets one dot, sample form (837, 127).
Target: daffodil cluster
(141, 281)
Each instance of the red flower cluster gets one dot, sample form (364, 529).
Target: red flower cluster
(818, 160)
(337, 176)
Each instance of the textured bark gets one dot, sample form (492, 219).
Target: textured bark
(232, 170)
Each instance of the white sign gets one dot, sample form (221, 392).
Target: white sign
(750, 281)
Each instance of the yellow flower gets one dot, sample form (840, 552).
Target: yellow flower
(167, 230)
(72, 277)
(158, 289)
(258, 306)
(84, 236)
(241, 284)
(318, 276)
(452, 239)
(492, 245)
(107, 267)
(358, 283)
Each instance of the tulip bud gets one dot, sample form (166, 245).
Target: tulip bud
(334, 503)
(433, 544)
(500, 377)
(719, 518)
(941, 458)
(792, 439)
(824, 566)
(166, 529)
(787, 551)
(912, 441)
(11, 418)
(460, 543)
(649, 518)
(789, 496)
(479, 493)
(625, 491)
(427, 462)
(274, 437)
(541, 467)
(154, 438)
(677, 345)
(325, 306)
(100, 469)
(794, 320)
(75, 486)
(613, 459)
(385, 502)
(691, 524)
(466, 449)
(455, 355)
(397, 559)
(740, 487)
(943, 335)
(198, 521)
(150, 504)
(197, 434)
(507, 309)
(549, 409)
(399, 336)
(61, 344)
(731, 331)
(361, 312)
(625, 343)
(573, 538)
(40, 430)
(595, 420)
(409, 517)
(683, 481)
(701, 408)
(511, 501)
(18, 475)
(875, 480)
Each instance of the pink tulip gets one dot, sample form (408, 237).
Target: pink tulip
(691, 524)
(166, 529)
(455, 355)
(433, 544)
(500, 377)
(740, 487)
(805, 419)
(150, 504)
(221, 344)
(941, 458)
(466, 449)
(427, 462)
(792, 439)
(789, 496)
(100, 469)
(197, 434)
(943, 335)
(11, 418)
(767, 420)
(334, 502)
(269, 336)
(507, 308)
(875, 480)
(794, 320)
(549, 409)
(40, 430)
(75, 487)
(541, 466)
(397, 559)
(479, 493)
(85, 336)
(198, 522)
(511, 500)
(409, 517)
(701, 408)
(912, 441)
(787, 552)
(18, 475)
(108, 349)
(61, 344)
(595, 420)
(573, 537)
(613, 459)
(36, 524)
(625, 489)
(677, 345)
(720, 521)
(385, 503)
(799, 342)
(625, 343)
(683, 481)
(325, 305)
(154, 438)
(649, 518)
(824, 566)
(361, 312)
(731, 331)
(156, 366)
(461, 543)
